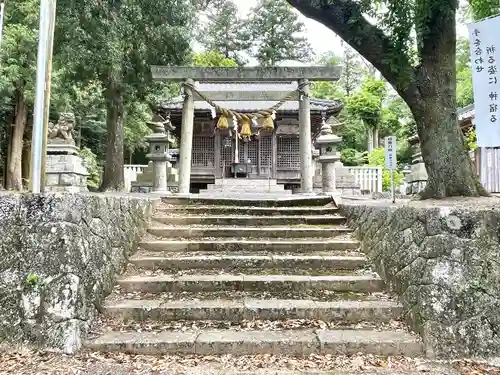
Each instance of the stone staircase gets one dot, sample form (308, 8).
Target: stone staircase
(246, 186)
(229, 276)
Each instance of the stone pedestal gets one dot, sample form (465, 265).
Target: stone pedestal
(158, 154)
(417, 179)
(328, 156)
(328, 178)
(345, 181)
(144, 183)
(65, 170)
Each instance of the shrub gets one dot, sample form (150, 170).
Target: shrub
(376, 158)
(93, 168)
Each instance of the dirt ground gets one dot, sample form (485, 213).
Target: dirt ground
(31, 362)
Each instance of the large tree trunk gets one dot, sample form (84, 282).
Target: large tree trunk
(14, 168)
(113, 176)
(449, 168)
(429, 89)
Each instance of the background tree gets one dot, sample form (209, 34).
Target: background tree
(352, 71)
(115, 43)
(324, 89)
(225, 32)
(277, 34)
(366, 104)
(214, 59)
(17, 74)
(422, 70)
(17, 86)
(465, 94)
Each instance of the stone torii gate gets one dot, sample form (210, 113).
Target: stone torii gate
(303, 75)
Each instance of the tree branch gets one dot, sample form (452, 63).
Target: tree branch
(345, 18)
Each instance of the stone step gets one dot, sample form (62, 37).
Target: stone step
(241, 210)
(348, 312)
(247, 232)
(245, 182)
(247, 191)
(290, 343)
(243, 195)
(270, 245)
(250, 220)
(271, 283)
(299, 201)
(241, 262)
(259, 187)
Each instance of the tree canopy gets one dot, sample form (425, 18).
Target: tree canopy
(413, 45)
(116, 44)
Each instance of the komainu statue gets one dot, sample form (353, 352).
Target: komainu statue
(62, 131)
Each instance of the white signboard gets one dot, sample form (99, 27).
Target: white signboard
(390, 152)
(485, 58)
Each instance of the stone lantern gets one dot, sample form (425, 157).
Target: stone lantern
(327, 143)
(158, 152)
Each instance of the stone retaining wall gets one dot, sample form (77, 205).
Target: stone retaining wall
(443, 260)
(59, 256)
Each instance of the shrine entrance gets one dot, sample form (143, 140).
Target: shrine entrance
(252, 122)
(256, 156)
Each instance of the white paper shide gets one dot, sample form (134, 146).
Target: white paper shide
(484, 45)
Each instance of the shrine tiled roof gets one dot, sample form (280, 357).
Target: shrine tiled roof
(317, 105)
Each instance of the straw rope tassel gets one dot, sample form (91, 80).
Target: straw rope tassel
(268, 115)
(246, 130)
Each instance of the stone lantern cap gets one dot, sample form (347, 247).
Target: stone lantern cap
(326, 137)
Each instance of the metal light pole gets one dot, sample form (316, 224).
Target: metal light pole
(47, 13)
(2, 10)
(48, 90)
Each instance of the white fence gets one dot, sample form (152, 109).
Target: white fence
(489, 169)
(369, 178)
(130, 172)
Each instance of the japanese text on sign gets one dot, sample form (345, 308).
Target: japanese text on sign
(485, 59)
(390, 152)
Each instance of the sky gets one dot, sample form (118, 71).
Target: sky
(316, 32)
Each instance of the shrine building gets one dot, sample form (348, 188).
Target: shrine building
(271, 154)
(255, 123)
